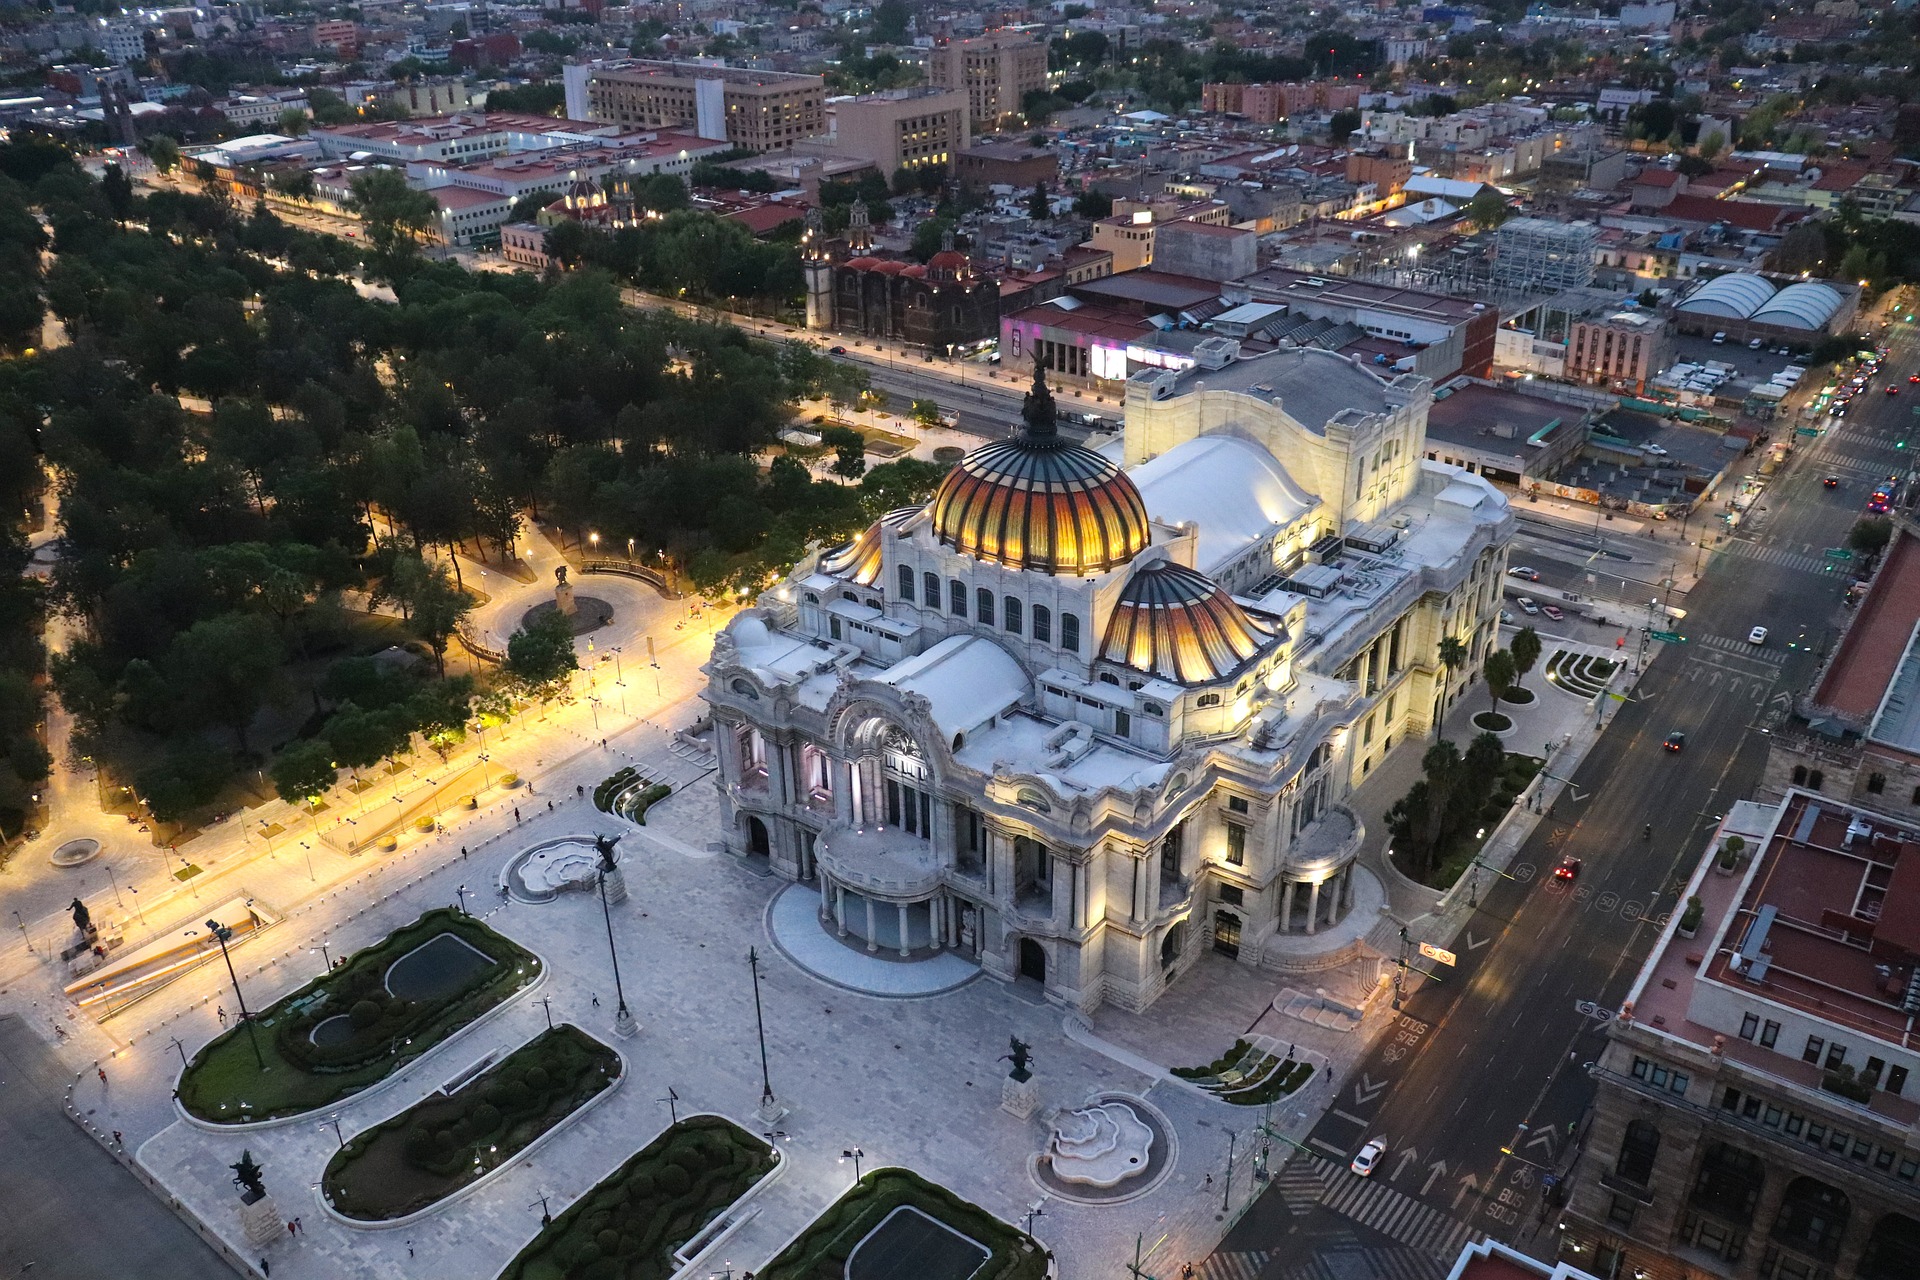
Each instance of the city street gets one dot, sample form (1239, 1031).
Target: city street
(1492, 1055)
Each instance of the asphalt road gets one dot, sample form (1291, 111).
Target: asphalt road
(1497, 1043)
(72, 1212)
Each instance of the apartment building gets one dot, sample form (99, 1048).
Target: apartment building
(763, 110)
(1621, 348)
(909, 129)
(1752, 1119)
(995, 71)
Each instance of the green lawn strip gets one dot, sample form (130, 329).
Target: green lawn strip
(820, 1253)
(603, 795)
(444, 1142)
(636, 809)
(224, 1083)
(1276, 1086)
(1218, 1067)
(628, 1226)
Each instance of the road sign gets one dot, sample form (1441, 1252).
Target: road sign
(1839, 553)
(1667, 637)
(1808, 431)
(1432, 952)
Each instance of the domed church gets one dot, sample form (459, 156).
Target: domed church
(1092, 712)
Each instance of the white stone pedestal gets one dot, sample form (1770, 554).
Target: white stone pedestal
(770, 1111)
(1018, 1098)
(260, 1222)
(563, 599)
(616, 886)
(625, 1025)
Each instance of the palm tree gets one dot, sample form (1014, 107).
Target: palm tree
(1499, 673)
(1453, 656)
(1526, 651)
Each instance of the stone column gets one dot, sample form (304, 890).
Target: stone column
(1286, 906)
(840, 908)
(1313, 909)
(872, 933)
(1772, 1192)
(937, 921)
(905, 949)
(826, 898)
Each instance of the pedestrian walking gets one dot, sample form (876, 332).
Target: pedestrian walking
(549, 806)
(595, 998)
(220, 1012)
(1329, 1071)
(117, 1140)
(463, 853)
(579, 791)
(409, 1248)
(266, 1268)
(298, 1225)
(603, 744)
(516, 815)
(103, 1074)
(292, 1230)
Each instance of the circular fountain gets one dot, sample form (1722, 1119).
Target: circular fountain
(1112, 1149)
(542, 872)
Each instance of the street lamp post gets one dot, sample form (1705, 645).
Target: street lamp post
(181, 1049)
(221, 933)
(460, 892)
(623, 1023)
(854, 1154)
(770, 1108)
(1226, 1194)
(326, 956)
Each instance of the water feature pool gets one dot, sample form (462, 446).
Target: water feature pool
(331, 1031)
(436, 968)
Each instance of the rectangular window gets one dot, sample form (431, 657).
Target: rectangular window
(1122, 724)
(1232, 894)
(1837, 1140)
(1771, 1118)
(1658, 1076)
(1621, 1211)
(1862, 1148)
(957, 598)
(983, 606)
(1816, 1134)
(1795, 1123)
(1749, 1024)
(1896, 1079)
(1750, 1108)
(1730, 1100)
(1769, 1032)
(1680, 1080)
(1836, 1054)
(1883, 1160)
(1812, 1053)
(1237, 803)
(1640, 1066)
(1236, 844)
(1909, 1168)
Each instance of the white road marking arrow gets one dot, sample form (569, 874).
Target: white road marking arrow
(1435, 1171)
(1468, 1183)
(1368, 1089)
(1473, 943)
(1408, 1155)
(1543, 1138)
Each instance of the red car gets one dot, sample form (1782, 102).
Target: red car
(1568, 869)
(1913, 377)
(1892, 390)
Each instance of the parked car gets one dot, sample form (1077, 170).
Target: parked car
(836, 351)
(1527, 606)
(1553, 611)
(1521, 571)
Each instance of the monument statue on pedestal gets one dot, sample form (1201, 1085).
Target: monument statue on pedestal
(82, 918)
(260, 1220)
(1019, 1092)
(610, 871)
(563, 592)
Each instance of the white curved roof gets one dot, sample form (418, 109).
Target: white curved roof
(1804, 305)
(966, 680)
(1235, 491)
(1736, 295)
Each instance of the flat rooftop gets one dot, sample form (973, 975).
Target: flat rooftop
(1282, 283)
(1149, 290)
(1464, 418)
(1870, 654)
(1311, 386)
(1825, 921)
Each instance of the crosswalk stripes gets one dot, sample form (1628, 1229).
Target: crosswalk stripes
(1233, 1266)
(1301, 1185)
(1740, 645)
(1387, 1211)
(1773, 555)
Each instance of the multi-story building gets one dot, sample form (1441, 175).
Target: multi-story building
(938, 305)
(996, 72)
(1081, 717)
(1129, 234)
(911, 129)
(1752, 1119)
(1544, 256)
(762, 110)
(1619, 349)
(1443, 336)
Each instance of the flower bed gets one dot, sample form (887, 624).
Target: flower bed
(369, 1033)
(628, 1226)
(441, 1144)
(821, 1251)
(1492, 722)
(1249, 1077)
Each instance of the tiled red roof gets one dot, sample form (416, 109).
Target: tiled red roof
(1655, 176)
(1750, 215)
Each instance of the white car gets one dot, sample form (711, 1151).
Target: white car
(1369, 1158)
(1522, 571)
(1527, 606)
(1757, 636)
(1655, 450)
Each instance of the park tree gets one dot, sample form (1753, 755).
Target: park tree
(397, 217)
(294, 122)
(1498, 672)
(438, 607)
(304, 770)
(849, 450)
(540, 654)
(1488, 209)
(224, 669)
(1453, 656)
(1039, 205)
(163, 151)
(1870, 535)
(1093, 204)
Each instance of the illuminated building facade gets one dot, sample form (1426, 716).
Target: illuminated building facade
(1087, 713)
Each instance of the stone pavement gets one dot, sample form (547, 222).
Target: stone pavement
(910, 1081)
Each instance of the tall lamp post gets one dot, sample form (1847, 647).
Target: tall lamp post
(770, 1108)
(221, 933)
(623, 1022)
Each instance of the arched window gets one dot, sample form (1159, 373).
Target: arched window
(983, 606)
(1799, 775)
(1208, 700)
(1813, 1216)
(1042, 624)
(1012, 603)
(906, 582)
(957, 598)
(931, 582)
(1070, 632)
(1107, 677)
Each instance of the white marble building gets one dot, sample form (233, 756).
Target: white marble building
(1089, 712)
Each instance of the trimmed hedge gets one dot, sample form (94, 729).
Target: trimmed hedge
(224, 1084)
(628, 1226)
(444, 1142)
(821, 1251)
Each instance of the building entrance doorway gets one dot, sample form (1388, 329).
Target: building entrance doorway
(1033, 961)
(1226, 933)
(757, 842)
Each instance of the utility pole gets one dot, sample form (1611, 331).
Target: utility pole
(221, 933)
